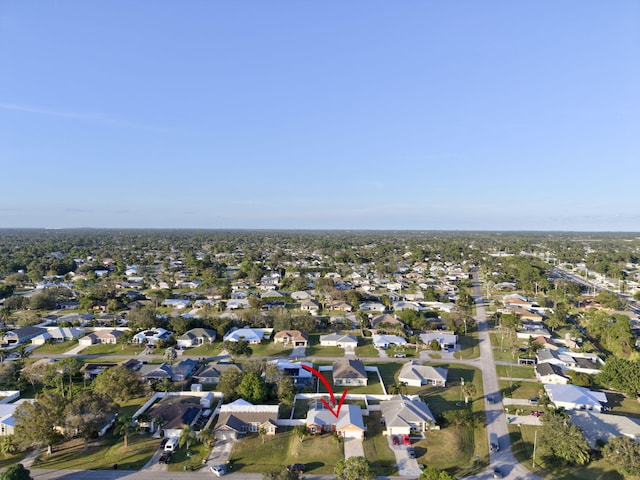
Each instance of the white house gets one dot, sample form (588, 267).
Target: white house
(195, 337)
(416, 375)
(385, 341)
(152, 336)
(403, 415)
(338, 340)
(446, 340)
(603, 427)
(572, 397)
(251, 335)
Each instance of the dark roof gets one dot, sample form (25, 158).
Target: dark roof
(349, 368)
(544, 369)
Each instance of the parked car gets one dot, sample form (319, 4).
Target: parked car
(537, 413)
(406, 440)
(411, 452)
(165, 457)
(296, 468)
(497, 472)
(400, 355)
(218, 470)
(395, 440)
(490, 398)
(534, 400)
(164, 442)
(494, 446)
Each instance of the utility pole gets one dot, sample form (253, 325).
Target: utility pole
(535, 442)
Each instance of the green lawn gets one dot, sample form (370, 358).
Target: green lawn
(205, 350)
(270, 349)
(389, 372)
(101, 455)
(454, 449)
(366, 348)
(191, 459)
(300, 409)
(8, 460)
(316, 350)
(318, 453)
(623, 405)
(469, 345)
(517, 389)
(117, 348)
(522, 438)
(56, 348)
(517, 372)
(376, 447)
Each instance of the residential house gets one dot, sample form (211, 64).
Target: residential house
(177, 372)
(310, 305)
(251, 335)
(177, 303)
(550, 373)
(348, 424)
(446, 340)
(295, 338)
(599, 428)
(582, 363)
(210, 374)
(237, 303)
(195, 337)
(404, 415)
(545, 342)
(300, 295)
(400, 306)
(347, 342)
(153, 336)
(349, 372)
(239, 417)
(516, 300)
(101, 337)
(175, 413)
(295, 371)
(572, 397)
(373, 307)
(57, 334)
(385, 341)
(533, 331)
(340, 306)
(22, 335)
(415, 375)
(388, 321)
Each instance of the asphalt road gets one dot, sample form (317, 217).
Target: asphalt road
(496, 419)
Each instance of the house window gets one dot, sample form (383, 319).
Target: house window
(243, 429)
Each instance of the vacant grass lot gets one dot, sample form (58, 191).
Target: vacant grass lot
(365, 348)
(522, 438)
(316, 350)
(517, 372)
(270, 349)
(376, 447)
(318, 453)
(118, 348)
(451, 449)
(623, 405)
(469, 345)
(205, 350)
(101, 455)
(515, 389)
(57, 348)
(389, 372)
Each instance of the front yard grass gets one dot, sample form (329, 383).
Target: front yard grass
(516, 389)
(206, 350)
(469, 345)
(12, 459)
(56, 348)
(251, 455)
(114, 349)
(270, 349)
(452, 449)
(366, 348)
(101, 455)
(192, 458)
(376, 447)
(518, 372)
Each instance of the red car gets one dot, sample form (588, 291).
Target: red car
(537, 413)
(406, 440)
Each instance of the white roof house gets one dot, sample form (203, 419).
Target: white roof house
(603, 426)
(251, 335)
(58, 334)
(338, 340)
(572, 397)
(446, 340)
(416, 375)
(384, 341)
(153, 335)
(405, 414)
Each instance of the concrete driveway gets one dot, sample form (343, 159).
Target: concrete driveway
(353, 448)
(298, 352)
(220, 452)
(407, 467)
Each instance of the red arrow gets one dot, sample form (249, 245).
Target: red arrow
(328, 385)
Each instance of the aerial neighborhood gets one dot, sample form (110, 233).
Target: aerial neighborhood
(297, 353)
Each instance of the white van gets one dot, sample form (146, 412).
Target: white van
(171, 444)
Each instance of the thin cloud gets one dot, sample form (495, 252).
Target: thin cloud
(85, 117)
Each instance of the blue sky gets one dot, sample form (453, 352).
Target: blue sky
(466, 115)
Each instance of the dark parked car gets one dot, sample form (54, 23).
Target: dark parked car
(164, 442)
(494, 446)
(411, 452)
(165, 457)
(534, 401)
(296, 468)
(395, 440)
(497, 472)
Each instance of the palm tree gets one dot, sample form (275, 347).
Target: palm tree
(123, 427)
(187, 436)
(469, 390)
(159, 422)
(208, 437)
(301, 431)
(398, 388)
(170, 355)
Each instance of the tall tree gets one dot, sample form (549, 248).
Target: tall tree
(16, 472)
(353, 468)
(560, 442)
(86, 414)
(35, 422)
(253, 388)
(119, 383)
(124, 426)
(624, 453)
(187, 436)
